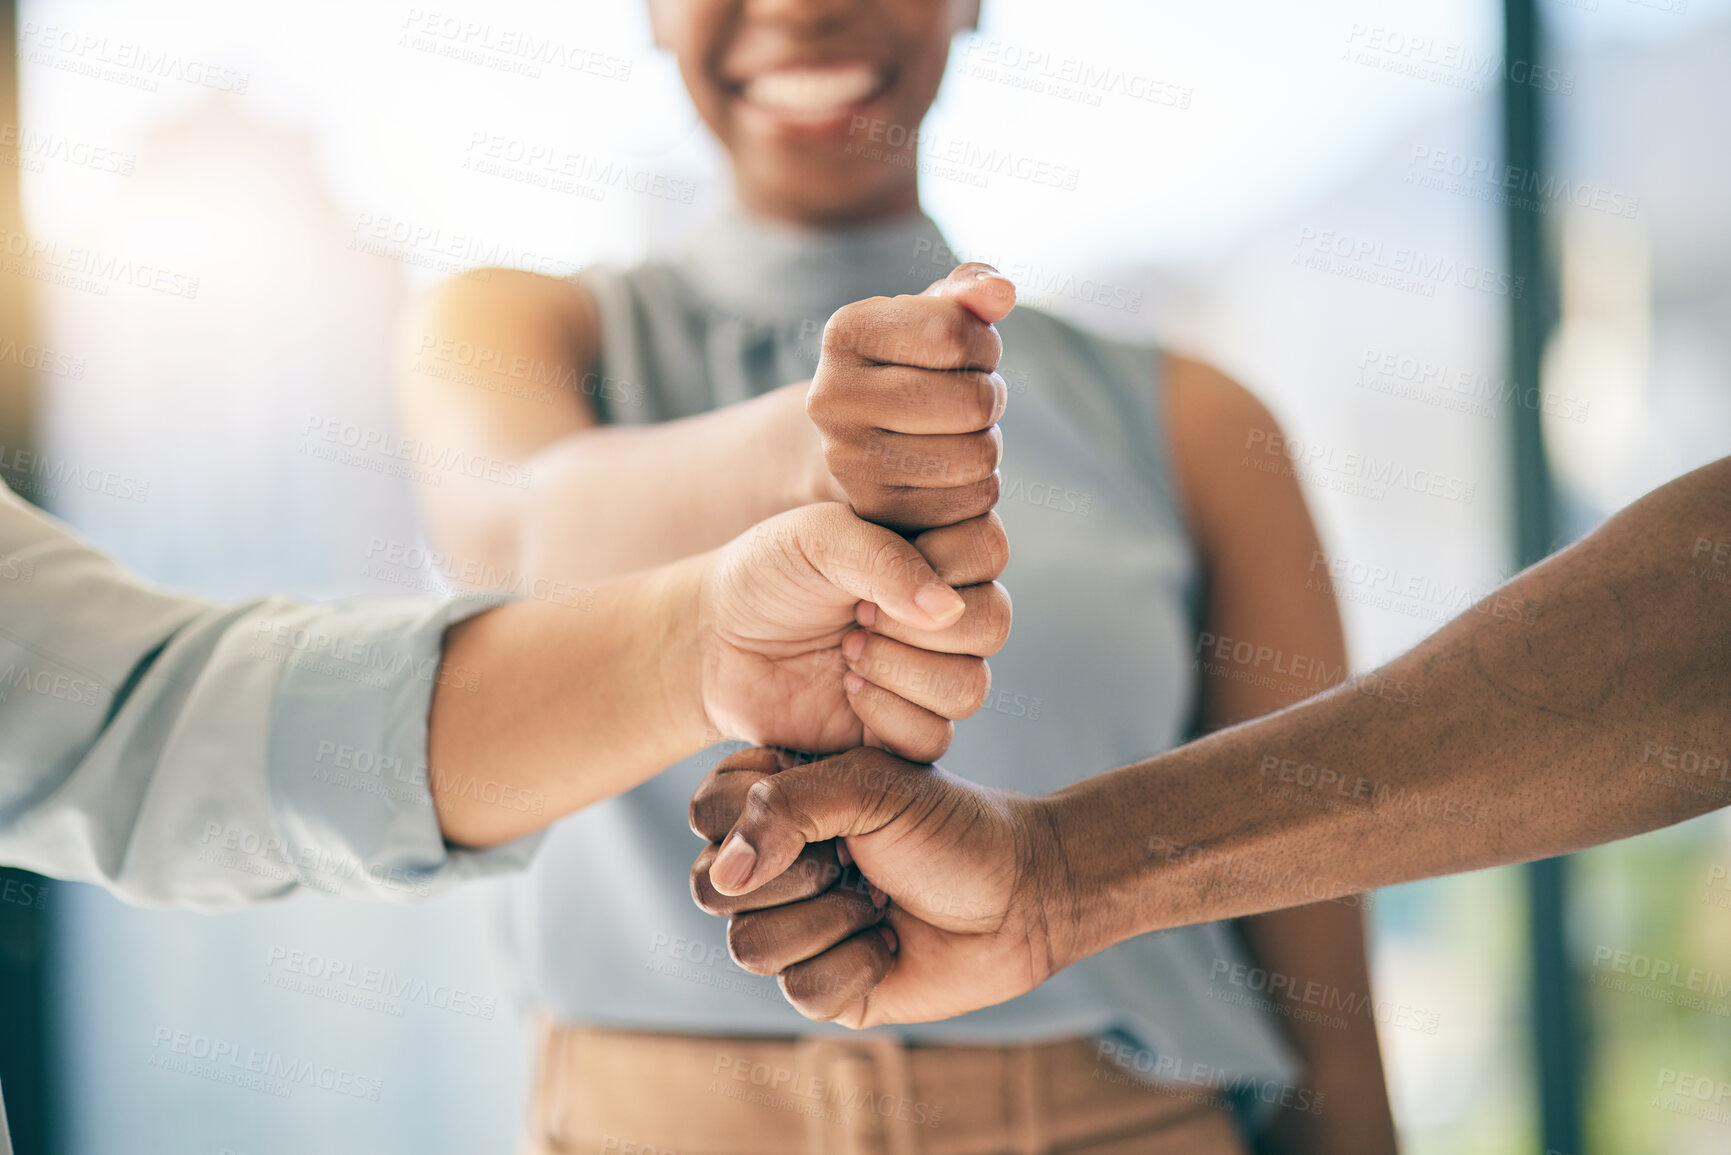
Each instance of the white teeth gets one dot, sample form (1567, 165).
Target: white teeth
(808, 90)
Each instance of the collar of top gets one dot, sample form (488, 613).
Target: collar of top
(773, 272)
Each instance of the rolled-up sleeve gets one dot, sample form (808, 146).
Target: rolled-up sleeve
(180, 752)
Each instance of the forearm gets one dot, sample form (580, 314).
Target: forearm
(1541, 722)
(620, 498)
(561, 707)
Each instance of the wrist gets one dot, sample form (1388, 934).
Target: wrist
(1056, 908)
(806, 473)
(1090, 881)
(676, 646)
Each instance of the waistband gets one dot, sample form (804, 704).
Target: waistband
(600, 1092)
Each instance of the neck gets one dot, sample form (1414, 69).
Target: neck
(873, 207)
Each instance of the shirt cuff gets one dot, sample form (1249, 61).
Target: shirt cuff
(348, 773)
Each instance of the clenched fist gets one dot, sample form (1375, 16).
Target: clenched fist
(816, 625)
(907, 399)
(949, 897)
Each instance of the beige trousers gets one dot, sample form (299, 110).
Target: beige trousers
(628, 1093)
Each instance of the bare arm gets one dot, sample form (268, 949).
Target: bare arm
(1587, 700)
(564, 705)
(505, 369)
(1256, 540)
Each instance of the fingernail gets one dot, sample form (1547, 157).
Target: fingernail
(982, 274)
(733, 866)
(867, 614)
(939, 601)
(842, 854)
(891, 939)
(854, 645)
(879, 898)
(852, 682)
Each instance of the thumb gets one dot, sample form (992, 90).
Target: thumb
(981, 289)
(854, 793)
(874, 564)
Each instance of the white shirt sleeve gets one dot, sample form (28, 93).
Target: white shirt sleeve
(180, 752)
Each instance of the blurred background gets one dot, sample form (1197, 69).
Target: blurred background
(1481, 239)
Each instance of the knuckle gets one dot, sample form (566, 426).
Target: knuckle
(931, 746)
(982, 401)
(994, 617)
(707, 898)
(990, 491)
(842, 331)
(813, 989)
(875, 502)
(988, 348)
(745, 945)
(766, 796)
(976, 686)
(988, 448)
(956, 330)
(967, 502)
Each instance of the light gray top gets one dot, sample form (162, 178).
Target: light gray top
(180, 752)
(1097, 672)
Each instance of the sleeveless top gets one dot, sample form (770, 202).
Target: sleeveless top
(1097, 671)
